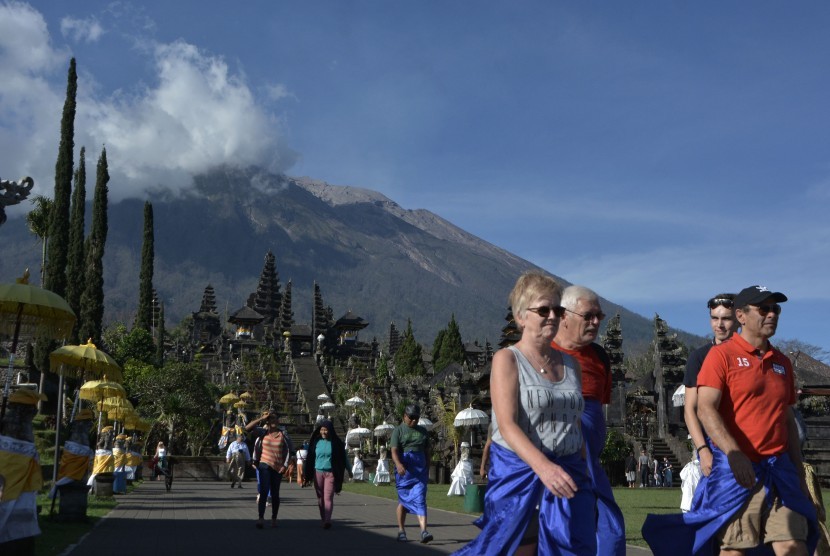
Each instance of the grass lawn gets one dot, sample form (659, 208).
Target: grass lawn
(635, 503)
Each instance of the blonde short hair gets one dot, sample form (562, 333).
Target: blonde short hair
(530, 286)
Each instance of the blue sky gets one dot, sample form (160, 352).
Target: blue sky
(658, 152)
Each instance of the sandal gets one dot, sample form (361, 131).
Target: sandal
(401, 536)
(425, 537)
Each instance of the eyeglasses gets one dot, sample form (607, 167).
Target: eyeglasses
(764, 310)
(545, 311)
(599, 315)
(716, 302)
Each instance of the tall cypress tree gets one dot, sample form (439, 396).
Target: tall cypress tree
(161, 333)
(409, 360)
(75, 261)
(452, 347)
(92, 298)
(144, 316)
(58, 249)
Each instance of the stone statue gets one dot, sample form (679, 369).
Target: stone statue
(20, 465)
(12, 193)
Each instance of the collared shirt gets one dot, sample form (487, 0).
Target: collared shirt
(596, 380)
(238, 446)
(756, 395)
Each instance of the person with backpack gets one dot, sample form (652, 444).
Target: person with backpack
(274, 457)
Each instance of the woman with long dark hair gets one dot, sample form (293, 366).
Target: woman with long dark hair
(325, 466)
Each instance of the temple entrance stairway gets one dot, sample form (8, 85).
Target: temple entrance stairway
(311, 384)
(660, 449)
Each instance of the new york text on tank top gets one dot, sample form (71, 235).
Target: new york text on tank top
(554, 418)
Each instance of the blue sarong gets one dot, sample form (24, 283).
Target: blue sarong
(566, 526)
(610, 520)
(412, 485)
(717, 498)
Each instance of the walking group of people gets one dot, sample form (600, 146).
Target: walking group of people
(547, 492)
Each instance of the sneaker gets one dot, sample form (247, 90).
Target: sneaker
(401, 536)
(425, 537)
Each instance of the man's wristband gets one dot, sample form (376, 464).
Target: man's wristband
(702, 446)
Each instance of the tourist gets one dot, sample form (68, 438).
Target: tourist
(160, 461)
(755, 494)
(539, 498)
(302, 454)
(485, 454)
(578, 329)
(274, 458)
(667, 473)
(410, 452)
(723, 324)
(326, 466)
(238, 458)
(631, 470)
(642, 468)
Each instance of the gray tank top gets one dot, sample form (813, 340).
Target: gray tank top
(548, 412)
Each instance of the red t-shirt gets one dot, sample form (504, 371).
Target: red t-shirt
(596, 381)
(756, 395)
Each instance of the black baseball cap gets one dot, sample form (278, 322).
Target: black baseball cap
(754, 295)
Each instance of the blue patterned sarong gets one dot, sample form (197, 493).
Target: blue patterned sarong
(610, 521)
(412, 486)
(566, 526)
(717, 498)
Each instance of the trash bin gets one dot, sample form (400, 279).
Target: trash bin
(119, 482)
(474, 498)
(73, 501)
(103, 485)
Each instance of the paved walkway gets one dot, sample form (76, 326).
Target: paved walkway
(200, 517)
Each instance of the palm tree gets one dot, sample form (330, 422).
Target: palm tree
(38, 221)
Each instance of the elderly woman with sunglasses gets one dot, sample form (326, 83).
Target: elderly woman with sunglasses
(539, 498)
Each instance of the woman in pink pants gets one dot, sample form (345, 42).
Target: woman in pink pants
(325, 466)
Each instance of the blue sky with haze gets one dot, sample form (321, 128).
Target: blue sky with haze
(658, 152)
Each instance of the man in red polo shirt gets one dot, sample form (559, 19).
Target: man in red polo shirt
(746, 389)
(577, 331)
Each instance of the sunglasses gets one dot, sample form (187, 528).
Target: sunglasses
(764, 310)
(545, 311)
(589, 316)
(720, 302)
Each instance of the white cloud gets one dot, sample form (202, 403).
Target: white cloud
(82, 30)
(191, 114)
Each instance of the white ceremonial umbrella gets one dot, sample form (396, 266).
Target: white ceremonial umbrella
(355, 402)
(357, 434)
(471, 417)
(426, 423)
(384, 430)
(324, 397)
(328, 406)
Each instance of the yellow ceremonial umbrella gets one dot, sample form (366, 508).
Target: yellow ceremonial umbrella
(240, 404)
(229, 398)
(86, 358)
(33, 311)
(97, 390)
(134, 423)
(246, 395)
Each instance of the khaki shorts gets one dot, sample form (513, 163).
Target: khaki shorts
(758, 522)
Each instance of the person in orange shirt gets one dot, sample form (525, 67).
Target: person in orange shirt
(755, 494)
(576, 334)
